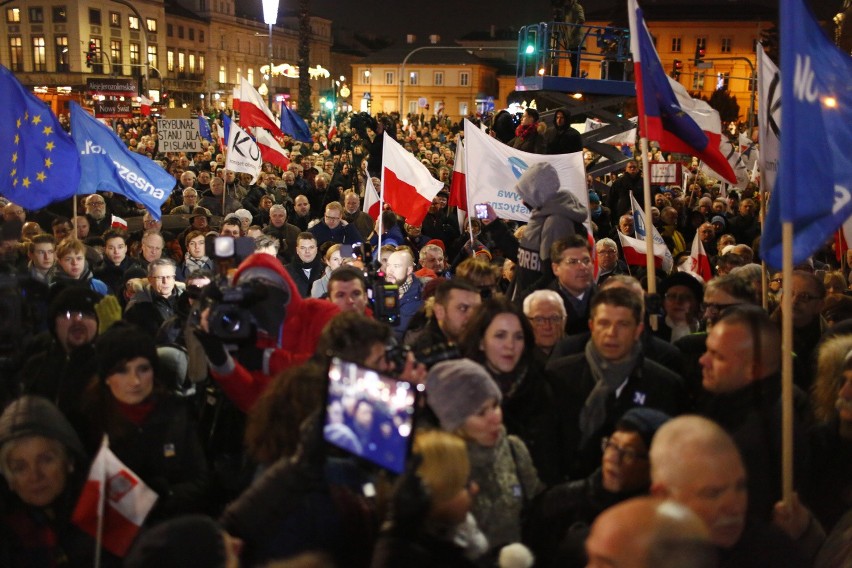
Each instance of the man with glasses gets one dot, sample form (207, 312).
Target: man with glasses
(561, 522)
(333, 228)
(96, 211)
(596, 387)
(157, 301)
(608, 262)
(190, 200)
(546, 312)
(571, 260)
(808, 294)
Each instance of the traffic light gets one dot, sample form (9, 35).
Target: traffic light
(700, 52)
(677, 67)
(90, 55)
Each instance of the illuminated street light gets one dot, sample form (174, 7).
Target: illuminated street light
(270, 17)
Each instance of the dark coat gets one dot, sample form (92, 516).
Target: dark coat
(287, 236)
(619, 195)
(565, 140)
(342, 234)
(421, 550)
(650, 384)
(149, 310)
(409, 304)
(297, 268)
(113, 276)
(829, 493)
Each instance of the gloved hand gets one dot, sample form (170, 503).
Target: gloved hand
(108, 311)
(251, 357)
(214, 348)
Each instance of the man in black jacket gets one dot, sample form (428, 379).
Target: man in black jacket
(561, 138)
(306, 266)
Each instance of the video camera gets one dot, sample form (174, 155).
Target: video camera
(384, 296)
(429, 356)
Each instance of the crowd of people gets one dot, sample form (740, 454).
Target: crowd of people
(568, 418)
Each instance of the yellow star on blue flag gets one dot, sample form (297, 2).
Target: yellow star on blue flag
(40, 156)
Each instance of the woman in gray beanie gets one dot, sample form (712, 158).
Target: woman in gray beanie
(466, 401)
(43, 463)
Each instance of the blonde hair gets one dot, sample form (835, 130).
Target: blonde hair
(832, 360)
(445, 468)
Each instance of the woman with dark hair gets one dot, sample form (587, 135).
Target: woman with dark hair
(501, 338)
(149, 429)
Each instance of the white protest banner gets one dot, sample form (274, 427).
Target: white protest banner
(664, 173)
(178, 135)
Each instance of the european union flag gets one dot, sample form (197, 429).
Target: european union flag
(204, 128)
(38, 159)
(107, 165)
(294, 125)
(814, 185)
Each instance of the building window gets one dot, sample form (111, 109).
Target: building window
(223, 75)
(238, 76)
(152, 56)
(135, 57)
(94, 17)
(180, 32)
(388, 77)
(723, 81)
(181, 62)
(13, 15)
(201, 64)
(201, 36)
(99, 58)
(60, 15)
(192, 64)
(16, 54)
(170, 30)
(250, 74)
(413, 77)
(412, 108)
(439, 78)
(39, 60)
(676, 44)
(151, 24)
(701, 43)
(698, 81)
(133, 22)
(463, 109)
(170, 60)
(60, 48)
(115, 56)
(114, 20)
(726, 45)
(365, 77)
(36, 15)
(464, 79)
(191, 34)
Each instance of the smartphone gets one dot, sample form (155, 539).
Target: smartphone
(481, 211)
(369, 415)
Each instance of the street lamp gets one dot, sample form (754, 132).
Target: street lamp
(270, 17)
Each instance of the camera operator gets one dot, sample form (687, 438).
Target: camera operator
(287, 329)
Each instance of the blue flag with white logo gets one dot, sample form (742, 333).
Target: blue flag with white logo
(107, 165)
(37, 157)
(204, 128)
(814, 185)
(294, 125)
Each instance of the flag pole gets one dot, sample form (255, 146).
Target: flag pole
(379, 225)
(649, 231)
(764, 278)
(74, 218)
(99, 533)
(787, 363)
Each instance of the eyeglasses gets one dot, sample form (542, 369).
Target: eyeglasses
(626, 456)
(714, 307)
(163, 277)
(576, 261)
(539, 321)
(77, 315)
(329, 218)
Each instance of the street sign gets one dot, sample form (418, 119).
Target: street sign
(112, 87)
(113, 109)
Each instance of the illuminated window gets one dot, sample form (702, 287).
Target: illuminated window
(13, 15)
(170, 60)
(192, 63)
(181, 61)
(698, 81)
(133, 22)
(115, 55)
(201, 64)
(413, 78)
(114, 20)
(60, 14)
(223, 74)
(152, 56)
(135, 55)
(152, 25)
(250, 77)
(60, 50)
(16, 54)
(39, 56)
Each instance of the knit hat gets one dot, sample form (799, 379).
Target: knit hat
(36, 416)
(594, 197)
(123, 342)
(243, 214)
(74, 299)
(438, 243)
(719, 219)
(457, 389)
(192, 540)
(644, 421)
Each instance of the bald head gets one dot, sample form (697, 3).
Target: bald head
(649, 532)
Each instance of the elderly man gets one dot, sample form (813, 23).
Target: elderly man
(455, 302)
(431, 261)
(286, 233)
(190, 200)
(608, 262)
(808, 293)
(96, 211)
(153, 244)
(306, 266)
(546, 312)
(400, 271)
(596, 387)
(157, 301)
(695, 463)
(333, 229)
(353, 215)
(213, 202)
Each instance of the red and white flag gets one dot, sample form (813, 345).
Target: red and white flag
(254, 112)
(236, 98)
(458, 183)
(145, 105)
(116, 494)
(118, 223)
(332, 130)
(270, 150)
(634, 251)
(372, 204)
(700, 261)
(407, 186)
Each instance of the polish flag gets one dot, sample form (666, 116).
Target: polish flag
(253, 111)
(700, 262)
(117, 495)
(407, 186)
(118, 223)
(236, 98)
(270, 150)
(458, 184)
(634, 251)
(332, 131)
(372, 204)
(145, 105)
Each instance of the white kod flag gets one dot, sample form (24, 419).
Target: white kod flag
(242, 154)
(769, 118)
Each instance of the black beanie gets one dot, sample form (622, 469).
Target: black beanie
(73, 299)
(644, 421)
(123, 342)
(192, 540)
(36, 416)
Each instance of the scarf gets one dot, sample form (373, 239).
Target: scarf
(608, 377)
(525, 131)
